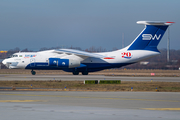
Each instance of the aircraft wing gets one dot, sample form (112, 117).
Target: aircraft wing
(79, 53)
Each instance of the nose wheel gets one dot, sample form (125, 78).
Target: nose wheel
(33, 72)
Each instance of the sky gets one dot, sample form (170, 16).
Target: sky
(35, 24)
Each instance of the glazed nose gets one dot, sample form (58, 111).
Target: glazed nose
(6, 63)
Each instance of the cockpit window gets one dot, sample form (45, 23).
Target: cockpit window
(14, 55)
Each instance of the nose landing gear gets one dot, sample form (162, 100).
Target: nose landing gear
(33, 72)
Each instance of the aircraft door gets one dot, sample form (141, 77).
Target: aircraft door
(32, 62)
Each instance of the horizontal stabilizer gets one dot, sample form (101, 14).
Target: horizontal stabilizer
(154, 23)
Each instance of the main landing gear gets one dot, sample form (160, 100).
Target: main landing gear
(33, 72)
(77, 72)
(84, 72)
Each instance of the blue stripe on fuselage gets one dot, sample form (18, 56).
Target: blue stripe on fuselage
(91, 67)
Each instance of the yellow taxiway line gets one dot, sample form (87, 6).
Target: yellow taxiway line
(20, 100)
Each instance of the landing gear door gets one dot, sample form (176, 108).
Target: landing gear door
(32, 62)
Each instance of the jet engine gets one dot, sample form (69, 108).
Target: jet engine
(64, 63)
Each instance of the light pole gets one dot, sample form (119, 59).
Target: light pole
(122, 40)
(168, 45)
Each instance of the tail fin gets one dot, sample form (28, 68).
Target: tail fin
(150, 37)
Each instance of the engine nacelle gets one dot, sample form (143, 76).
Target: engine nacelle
(64, 63)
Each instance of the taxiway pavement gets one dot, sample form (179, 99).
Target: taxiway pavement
(20, 105)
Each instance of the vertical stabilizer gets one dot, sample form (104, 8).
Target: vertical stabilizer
(150, 37)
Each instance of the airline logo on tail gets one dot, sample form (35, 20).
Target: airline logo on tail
(149, 37)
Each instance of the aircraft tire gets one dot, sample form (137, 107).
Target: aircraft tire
(75, 72)
(33, 72)
(84, 72)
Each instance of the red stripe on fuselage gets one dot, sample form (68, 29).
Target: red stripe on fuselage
(108, 58)
(169, 22)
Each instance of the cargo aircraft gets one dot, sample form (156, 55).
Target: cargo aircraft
(143, 47)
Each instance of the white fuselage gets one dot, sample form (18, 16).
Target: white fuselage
(22, 59)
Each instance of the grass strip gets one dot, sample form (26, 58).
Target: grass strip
(80, 86)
